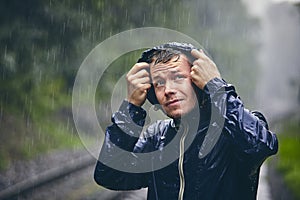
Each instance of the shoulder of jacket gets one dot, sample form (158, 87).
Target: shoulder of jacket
(158, 127)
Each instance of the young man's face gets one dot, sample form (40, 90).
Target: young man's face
(173, 86)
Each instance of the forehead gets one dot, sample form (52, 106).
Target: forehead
(176, 64)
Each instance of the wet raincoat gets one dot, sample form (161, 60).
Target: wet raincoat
(230, 170)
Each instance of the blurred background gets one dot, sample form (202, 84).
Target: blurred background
(255, 44)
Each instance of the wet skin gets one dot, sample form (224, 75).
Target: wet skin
(173, 86)
(172, 82)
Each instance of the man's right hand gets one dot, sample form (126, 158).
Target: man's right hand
(138, 83)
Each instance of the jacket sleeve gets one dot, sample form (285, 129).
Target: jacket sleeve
(116, 164)
(248, 130)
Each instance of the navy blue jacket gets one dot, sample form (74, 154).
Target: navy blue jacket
(230, 170)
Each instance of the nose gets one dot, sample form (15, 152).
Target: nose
(170, 88)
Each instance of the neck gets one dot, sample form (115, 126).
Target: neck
(191, 119)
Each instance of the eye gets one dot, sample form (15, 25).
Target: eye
(159, 83)
(179, 77)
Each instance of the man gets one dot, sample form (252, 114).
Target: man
(217, 146)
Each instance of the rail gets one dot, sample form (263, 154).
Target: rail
(47, 176)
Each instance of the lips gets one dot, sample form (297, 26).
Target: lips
(173, 102)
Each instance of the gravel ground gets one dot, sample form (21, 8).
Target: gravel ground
(22, 170)
(75, 186)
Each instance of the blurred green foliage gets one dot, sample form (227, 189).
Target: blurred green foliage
(289, 154)
(43, 43)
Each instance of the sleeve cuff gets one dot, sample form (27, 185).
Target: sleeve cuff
(136, 113)
(214, 85)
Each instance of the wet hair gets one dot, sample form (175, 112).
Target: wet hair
(163, 54)
(166, 52)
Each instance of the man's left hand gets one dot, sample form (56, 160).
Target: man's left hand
(203, 69)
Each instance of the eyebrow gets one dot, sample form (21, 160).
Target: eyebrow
(157, 77)
(171, 71)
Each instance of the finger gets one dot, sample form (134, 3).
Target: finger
(199, 62)
(196, 71)
(196, 53)
(195, 68)
(192, 74)
(146, 86)
(194, 77)
(141, 88)
(143, 80)
(199, 54)
(142, 73)
(138, 67)
(137, 76)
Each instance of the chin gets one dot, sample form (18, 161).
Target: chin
(175, 114)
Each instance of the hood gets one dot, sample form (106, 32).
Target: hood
(184, 48)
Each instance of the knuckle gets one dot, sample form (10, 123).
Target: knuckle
(129, 78)
(197, 62)
(134, 81)
(143, 72)
(196, 68)
(137, 65)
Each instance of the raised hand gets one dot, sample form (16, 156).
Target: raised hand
(203, 69)
(138, 83)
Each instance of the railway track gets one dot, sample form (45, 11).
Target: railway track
(66, 172)
(48, 176)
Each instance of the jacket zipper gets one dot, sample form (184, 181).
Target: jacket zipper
(180, 165)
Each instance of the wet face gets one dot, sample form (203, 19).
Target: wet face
(173, 86)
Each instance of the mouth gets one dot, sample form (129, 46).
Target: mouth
(173, 102)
